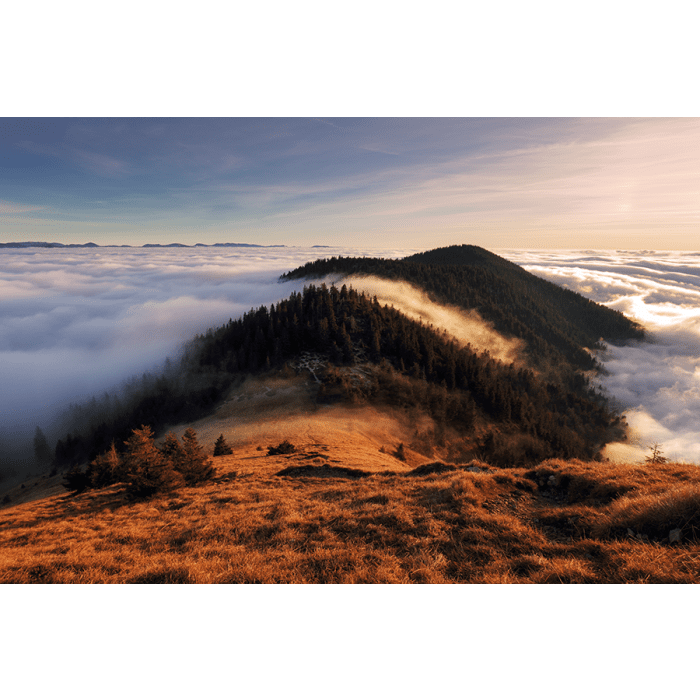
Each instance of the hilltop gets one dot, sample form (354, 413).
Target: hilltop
(358, 351)
(558, 326)
(458, 397)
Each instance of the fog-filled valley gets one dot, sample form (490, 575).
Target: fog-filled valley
(77, 323)
(656, 383)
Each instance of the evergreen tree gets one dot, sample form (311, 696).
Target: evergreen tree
(106, 469)
(221, 447)
(192, 463)
(42, 451)
(148, 471)
(170, 447)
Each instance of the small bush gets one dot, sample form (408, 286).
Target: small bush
(284, 448)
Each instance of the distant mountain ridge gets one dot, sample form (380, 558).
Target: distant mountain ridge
(40, 244)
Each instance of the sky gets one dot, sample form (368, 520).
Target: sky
(599, 183)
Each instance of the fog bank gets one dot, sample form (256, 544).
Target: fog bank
(466, 327)
(657, 383)
(75, 323)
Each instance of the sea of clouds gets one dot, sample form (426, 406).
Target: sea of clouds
(77, 322)
(656, 383)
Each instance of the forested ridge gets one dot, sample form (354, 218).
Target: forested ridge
(408, 365)
(557, 325)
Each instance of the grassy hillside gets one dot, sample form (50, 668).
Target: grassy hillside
(562, 522)
(361, 499)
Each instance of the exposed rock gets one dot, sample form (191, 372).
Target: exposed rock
(674, 535)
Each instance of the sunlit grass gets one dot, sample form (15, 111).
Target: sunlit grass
(561, 522)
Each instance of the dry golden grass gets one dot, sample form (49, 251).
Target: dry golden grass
(559, 523)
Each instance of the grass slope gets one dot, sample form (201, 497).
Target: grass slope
(560, 522)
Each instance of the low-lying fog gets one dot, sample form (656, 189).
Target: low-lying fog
(657, 383)
(75, 323)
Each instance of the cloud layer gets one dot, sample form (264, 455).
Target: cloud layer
(77, 322)
(657, 383)
(74, 323)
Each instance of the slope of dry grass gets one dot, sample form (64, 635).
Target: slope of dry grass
(563, 522)
(349, 511)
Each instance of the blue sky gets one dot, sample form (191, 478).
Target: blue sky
(498, 183)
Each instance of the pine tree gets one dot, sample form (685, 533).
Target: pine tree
(107, 468)
(192, 463)
(42, 451)
(221, 447)
(170, 447)
(147, 469)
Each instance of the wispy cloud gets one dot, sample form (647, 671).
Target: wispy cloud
(595, 182)
(15, 208)
(91, 161)
(101, 164)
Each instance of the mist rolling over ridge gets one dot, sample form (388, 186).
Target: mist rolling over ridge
(468, 328)
(76, 323)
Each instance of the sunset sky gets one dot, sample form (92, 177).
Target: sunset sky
(499, 183)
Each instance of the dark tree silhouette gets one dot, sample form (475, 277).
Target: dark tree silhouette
(221, 447)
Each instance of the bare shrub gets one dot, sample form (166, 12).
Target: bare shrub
(284, 448)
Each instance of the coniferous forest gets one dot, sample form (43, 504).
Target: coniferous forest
(557, 325)
(516, 414)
